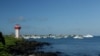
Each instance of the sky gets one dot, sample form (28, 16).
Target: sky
(50, 16)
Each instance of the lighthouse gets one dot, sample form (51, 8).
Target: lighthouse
(17, 30)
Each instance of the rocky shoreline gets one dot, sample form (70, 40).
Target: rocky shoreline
(28, 48)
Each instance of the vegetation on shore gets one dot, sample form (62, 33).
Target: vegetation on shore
(9, 40)
(22, 47)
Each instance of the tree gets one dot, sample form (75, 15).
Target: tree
(2, 38)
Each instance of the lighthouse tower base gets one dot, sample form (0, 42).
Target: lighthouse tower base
(17, 33)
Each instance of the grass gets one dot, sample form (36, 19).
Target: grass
(9, 40)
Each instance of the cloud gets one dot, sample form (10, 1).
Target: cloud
(17, 19)
(21, 18)
(41, 19)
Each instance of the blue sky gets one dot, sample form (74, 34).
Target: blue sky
(50, 16)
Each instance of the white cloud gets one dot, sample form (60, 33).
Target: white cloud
(16, 19)
(21, 18)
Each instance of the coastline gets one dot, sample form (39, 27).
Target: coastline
(58, 47)
(21, 47)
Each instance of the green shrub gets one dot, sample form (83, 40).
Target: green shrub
(9, 40)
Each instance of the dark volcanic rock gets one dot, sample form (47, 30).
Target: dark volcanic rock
(46, 54)
(25, 47)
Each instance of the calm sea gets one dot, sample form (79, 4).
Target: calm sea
(73, 47)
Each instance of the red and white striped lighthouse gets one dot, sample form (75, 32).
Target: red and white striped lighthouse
(17, 30)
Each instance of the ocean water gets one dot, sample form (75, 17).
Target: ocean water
(73, 47)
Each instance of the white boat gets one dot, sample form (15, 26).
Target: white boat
(57, 37)
(52, 36)
(26, 37)
(88, 36)
(65, 37)
(78, 37)
(35, 37)
(44, 36)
